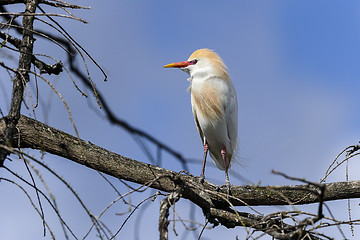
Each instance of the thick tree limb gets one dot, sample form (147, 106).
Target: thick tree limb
(216, 207)
(36, 135)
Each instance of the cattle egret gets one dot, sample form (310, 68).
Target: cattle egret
(214, 106)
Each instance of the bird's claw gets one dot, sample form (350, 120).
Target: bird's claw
(201, 179)
(228, 188)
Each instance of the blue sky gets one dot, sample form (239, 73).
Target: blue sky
(294, 65)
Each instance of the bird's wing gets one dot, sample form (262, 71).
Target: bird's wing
(198, 125)
(231, 114)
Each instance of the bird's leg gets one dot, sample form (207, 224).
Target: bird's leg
(227, 182)
(206, 149)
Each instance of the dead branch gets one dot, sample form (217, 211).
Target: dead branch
(72, 51)
(165, 205)
(36, 135)
(22, 76)
(216, 207)
(42, 66)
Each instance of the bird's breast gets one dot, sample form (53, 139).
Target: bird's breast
(206, 100)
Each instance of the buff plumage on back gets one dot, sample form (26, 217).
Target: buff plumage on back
(215, 59)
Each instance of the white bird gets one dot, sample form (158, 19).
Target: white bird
(214, 106)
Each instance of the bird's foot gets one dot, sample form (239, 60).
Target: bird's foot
(201, 179)
(228, 188)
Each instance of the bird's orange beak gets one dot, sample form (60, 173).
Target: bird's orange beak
(178, 64)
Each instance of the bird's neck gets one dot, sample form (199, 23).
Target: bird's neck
(203, 74)
(199, 79)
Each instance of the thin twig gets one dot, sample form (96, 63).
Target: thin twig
(32, 203)
(53, 207)
(136, 207)
(62, 4)
(37, 195)
(44, 14)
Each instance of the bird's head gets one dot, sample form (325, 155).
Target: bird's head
(202, 62)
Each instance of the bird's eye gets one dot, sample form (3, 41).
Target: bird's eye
(193, 62)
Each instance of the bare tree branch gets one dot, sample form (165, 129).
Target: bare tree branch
(165, 205)
(36, 135)
(217, 208)
(72, 52)
(22, 76)
(43, 67)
